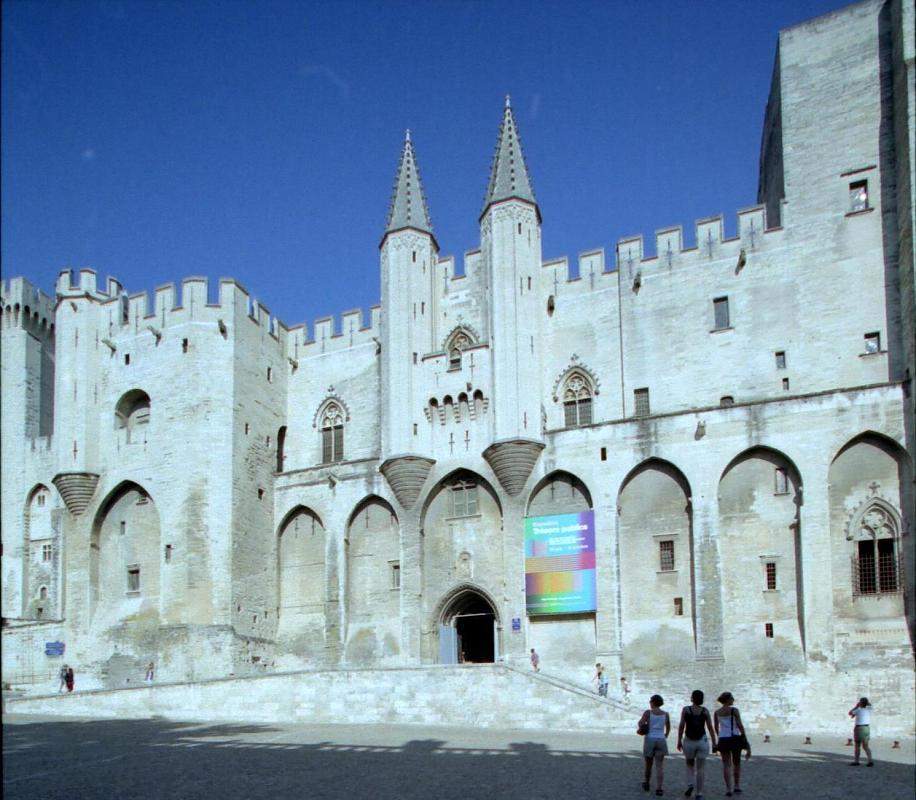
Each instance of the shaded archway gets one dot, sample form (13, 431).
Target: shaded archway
(124, 556)
(301, 581)
(656, 566)
(871, 508)
(468, 627)
(760, 547)
(373, 582)
(460, 543)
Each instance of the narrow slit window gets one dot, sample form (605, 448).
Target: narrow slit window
(395, 575)
(679, 606)
(768, 630)
(133, 579)
(785, 384)
(604, 454)
(780, 359)
(168, 554)
(184, 345)
(858, 196)
(781, 479)
(720, 312)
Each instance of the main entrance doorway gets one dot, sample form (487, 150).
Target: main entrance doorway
(467, 630)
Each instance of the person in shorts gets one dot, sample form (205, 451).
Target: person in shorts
(732, 740)
(655, 725)
(861, 733)
(692, 740)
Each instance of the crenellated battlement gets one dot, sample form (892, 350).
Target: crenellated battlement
(25, 305)
(330, 334)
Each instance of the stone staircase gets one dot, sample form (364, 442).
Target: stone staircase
(467, 695)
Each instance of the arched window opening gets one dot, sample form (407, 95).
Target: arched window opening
(463, 498)
(43, 593)
(332, 434)
(454, 359)
(281, 448)
(875, 561)
(577, 401)
(458, 342)
(132, 414)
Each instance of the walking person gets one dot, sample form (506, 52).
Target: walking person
(602, 680)
(62, 675)
(535, 660)
(692, 740)
(655, 725)
(732, 740)
(861, 733)
(625, 691)
(149, 672)
(70, 679)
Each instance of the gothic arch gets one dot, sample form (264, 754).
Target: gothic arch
(576, 366)
(301, 576)
(769, 453)
(892, 446)
(371, 499)
(662, 465)
(576, 483)
(471, 337)
(297, 509)
(331, 398)
(457, 474)
(455, 592)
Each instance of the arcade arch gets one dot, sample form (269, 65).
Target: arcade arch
(301, 579)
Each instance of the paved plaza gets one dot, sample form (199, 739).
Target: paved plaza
(47, 757)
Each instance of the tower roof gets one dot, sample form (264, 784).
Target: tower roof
(408, 201)
(509, 175)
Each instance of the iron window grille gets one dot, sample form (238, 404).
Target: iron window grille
(876, 569)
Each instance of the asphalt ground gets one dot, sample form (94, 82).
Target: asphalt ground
(46, 757)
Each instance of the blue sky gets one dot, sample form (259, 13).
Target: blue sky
(259, 140)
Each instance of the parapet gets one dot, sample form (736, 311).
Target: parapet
(26, 305)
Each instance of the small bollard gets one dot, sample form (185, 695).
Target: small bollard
(807, 740)
(849, 742)
(896, 745)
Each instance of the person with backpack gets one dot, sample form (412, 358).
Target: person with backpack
(732, 740)
(655, 725)
(692, 741)
(861, 733)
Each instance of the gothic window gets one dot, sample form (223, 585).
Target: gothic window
(132, 414)
(457, 343)
(875, 560)
(463, 499)
(577, 401)
(332, 434)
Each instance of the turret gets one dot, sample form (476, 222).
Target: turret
(510, 244)
(408, 258)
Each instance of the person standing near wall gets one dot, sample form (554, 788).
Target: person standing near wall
(535, 660)
(691, 739)
(149, 672)
(861, 733)
(62, 674)
(625, 690)
(70, 679)
(655, 725)
(602, 680)
(732, 740)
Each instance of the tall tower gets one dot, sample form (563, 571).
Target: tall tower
(510, 244)
(409, 253)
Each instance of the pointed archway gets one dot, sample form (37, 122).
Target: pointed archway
(468, 632)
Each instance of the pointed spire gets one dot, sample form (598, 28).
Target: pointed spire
(509, 175)
(408, 202)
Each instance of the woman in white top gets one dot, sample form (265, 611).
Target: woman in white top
(861, 733)
(655, 725)
(732, 739)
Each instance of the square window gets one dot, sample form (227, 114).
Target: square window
(666, 556)
(780, 359)
(46, 552)
(768, 630)
(720, 310)
(858, 196)
(641, 400)
(133, 579)
(873, 342)
(464, 499)
(679, 606)
(771, 576)
(395, 575)
(781, 481)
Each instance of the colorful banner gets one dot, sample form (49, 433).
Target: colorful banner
(560, 563)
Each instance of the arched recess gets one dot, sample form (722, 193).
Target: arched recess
(132, 416)
(871, 507)
(41, 553)
(373, 582)
(468, 626)
(124, 557)
(301, 579)
(281, 448)
(656, 563)
(564, 638)
(559, 493)
(760, 547)
(461, 542)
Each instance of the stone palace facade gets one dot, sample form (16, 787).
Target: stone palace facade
(187, 480)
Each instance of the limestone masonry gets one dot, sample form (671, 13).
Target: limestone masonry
(190, 482)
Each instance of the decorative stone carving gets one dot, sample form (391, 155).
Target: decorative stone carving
(512, 461)
(406, 475)
(76, 489)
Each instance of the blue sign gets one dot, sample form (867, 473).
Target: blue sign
(516, 623)
(54, 648)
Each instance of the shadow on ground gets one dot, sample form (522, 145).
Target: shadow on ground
(155, 758)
